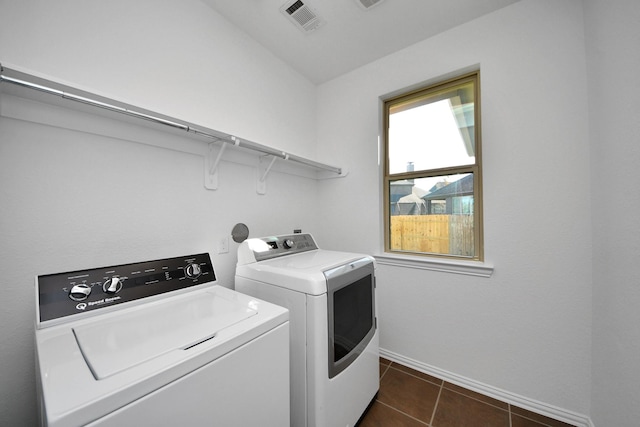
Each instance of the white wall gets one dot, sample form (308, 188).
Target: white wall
(88, 196)
(527, 329)
(613, 35)
(179, 58)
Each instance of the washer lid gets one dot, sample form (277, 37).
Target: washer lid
(127, 340)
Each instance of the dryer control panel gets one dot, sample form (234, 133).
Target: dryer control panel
(76, 292)
(262, 248)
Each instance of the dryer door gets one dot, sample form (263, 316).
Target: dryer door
(351, 312)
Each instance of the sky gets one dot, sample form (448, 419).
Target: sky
(428, 136)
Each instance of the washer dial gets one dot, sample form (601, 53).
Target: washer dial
(193, 271)
(80, 292)
(112, 286)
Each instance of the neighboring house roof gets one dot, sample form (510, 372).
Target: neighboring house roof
(411, 198)
(461, 187)
(438, 186)
(400, 189)
(412, 204)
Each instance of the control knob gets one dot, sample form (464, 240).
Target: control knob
(80, 292)
(112, 286)
(288, 243)
(193, 271)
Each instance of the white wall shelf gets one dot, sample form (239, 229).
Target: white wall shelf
(217, 141)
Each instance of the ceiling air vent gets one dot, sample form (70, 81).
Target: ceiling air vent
(368, 4)
(301, 15)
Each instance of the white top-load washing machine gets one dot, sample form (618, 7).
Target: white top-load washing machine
(158, 343)
(334, 338)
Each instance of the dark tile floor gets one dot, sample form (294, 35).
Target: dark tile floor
(408, 398)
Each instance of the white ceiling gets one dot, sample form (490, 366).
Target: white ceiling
(350, 36)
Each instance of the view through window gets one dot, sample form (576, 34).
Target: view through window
(432, 180)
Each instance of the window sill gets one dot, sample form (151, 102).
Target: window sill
(469, 268)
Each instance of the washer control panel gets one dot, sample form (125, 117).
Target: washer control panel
(66, 294)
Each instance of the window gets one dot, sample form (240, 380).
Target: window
(432, 171)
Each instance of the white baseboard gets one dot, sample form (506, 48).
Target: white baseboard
(541, 408)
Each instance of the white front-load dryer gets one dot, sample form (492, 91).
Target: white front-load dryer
(330, 296)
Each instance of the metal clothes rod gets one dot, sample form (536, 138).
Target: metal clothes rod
(215, 136)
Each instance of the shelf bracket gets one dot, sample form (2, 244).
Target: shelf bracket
(212, 163)
(263, 172)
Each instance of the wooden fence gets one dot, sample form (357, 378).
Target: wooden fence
(440, 234)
